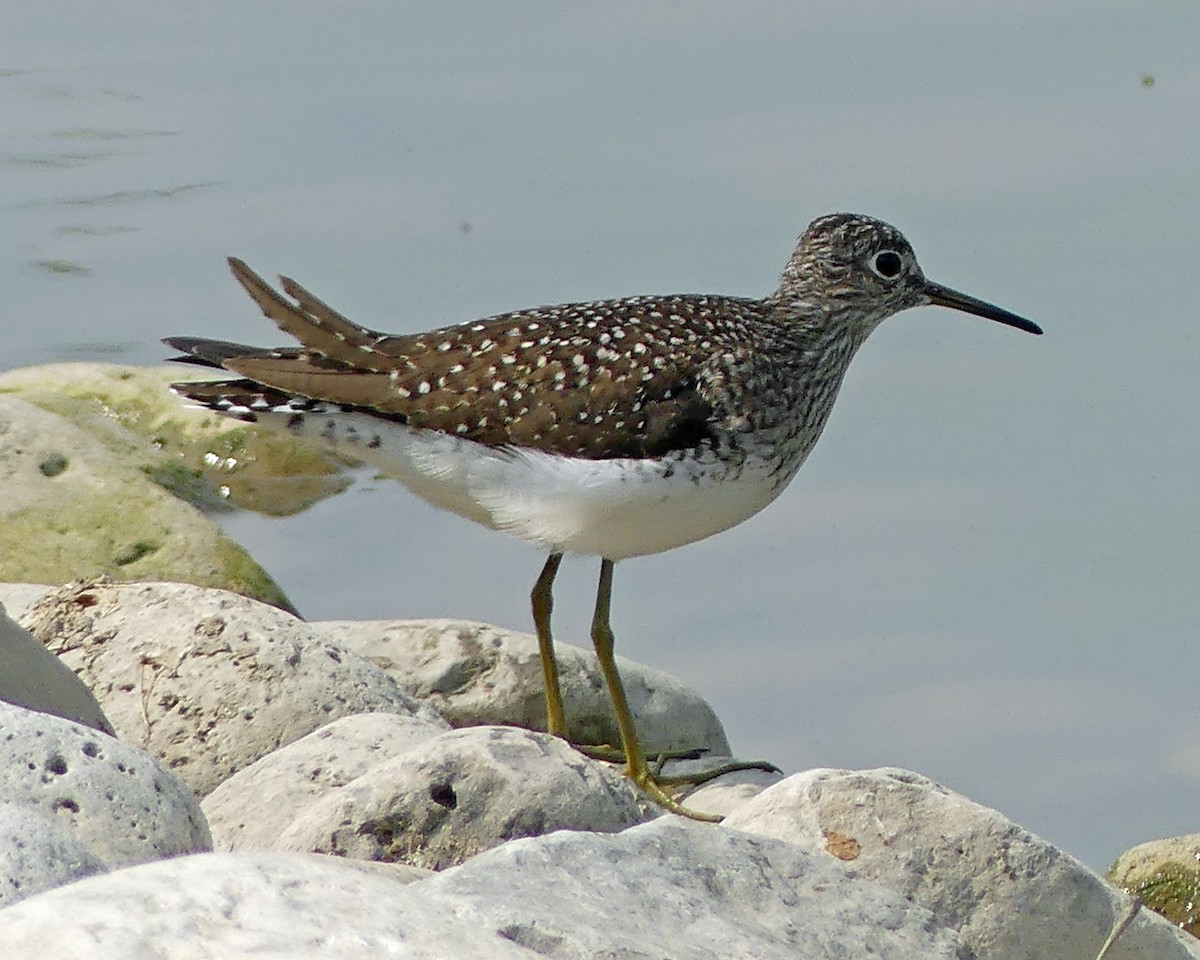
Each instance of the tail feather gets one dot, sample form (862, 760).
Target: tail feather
(320, 313)
(290, 379)
(317, 326)
(243, 399)
(214, 353)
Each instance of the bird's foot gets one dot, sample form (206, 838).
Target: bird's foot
(610, 754)
(657, 784)
(656, 762)
(701, 776)
(649, 785)
(651, 780)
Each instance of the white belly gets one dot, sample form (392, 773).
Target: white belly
(611, 508)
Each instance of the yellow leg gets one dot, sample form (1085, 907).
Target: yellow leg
(635, 761)
(543, 604)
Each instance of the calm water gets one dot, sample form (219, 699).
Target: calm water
(988, 570)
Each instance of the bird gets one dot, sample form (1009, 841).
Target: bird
(610, 428)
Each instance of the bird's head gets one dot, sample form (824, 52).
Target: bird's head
(854, 269)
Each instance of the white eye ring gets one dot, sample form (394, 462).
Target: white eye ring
(886, 264)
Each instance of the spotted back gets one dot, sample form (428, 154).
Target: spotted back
(615, 378)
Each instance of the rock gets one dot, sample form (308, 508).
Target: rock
(74, 506)
(114, 799)
(681, 889)
(1165, 875)
(204, 680)
(1009, 894)
(211, 461)
(474, 673)
(248, 905)
(38, 853)
(34, 678)
(449, 798)
(668, 888)
(304, 772)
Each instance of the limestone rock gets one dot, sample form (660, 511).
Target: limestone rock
(1009, 894)
(248, 905)
(118, 802)
(34, 678)
(305, 771)
(449, 798)
(664, 889)
(208, 460)
(474, 673)
(676, 888)
(38, 853)
(1165, 874)
(204, 680)
(73, 506)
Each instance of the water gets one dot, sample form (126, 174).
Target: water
(988, 569)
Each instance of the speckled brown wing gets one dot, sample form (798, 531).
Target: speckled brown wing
(554, 378)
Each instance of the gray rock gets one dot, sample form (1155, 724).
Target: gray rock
(37, 853)
(305, 771)
(1165, 874)
(34, 678)
(114, 799)
(76, 505)
(247, 905)
(449, 798)
(676, 888)
(211, 461)
(666, 889)
(1009, 894)
(474, 673)
(207, 681)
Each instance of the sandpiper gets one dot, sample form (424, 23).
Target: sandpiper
(613, 428)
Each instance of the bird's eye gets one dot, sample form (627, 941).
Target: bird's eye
(887, 264)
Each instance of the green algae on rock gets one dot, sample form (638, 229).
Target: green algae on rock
(75, 506)
(210, 461)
